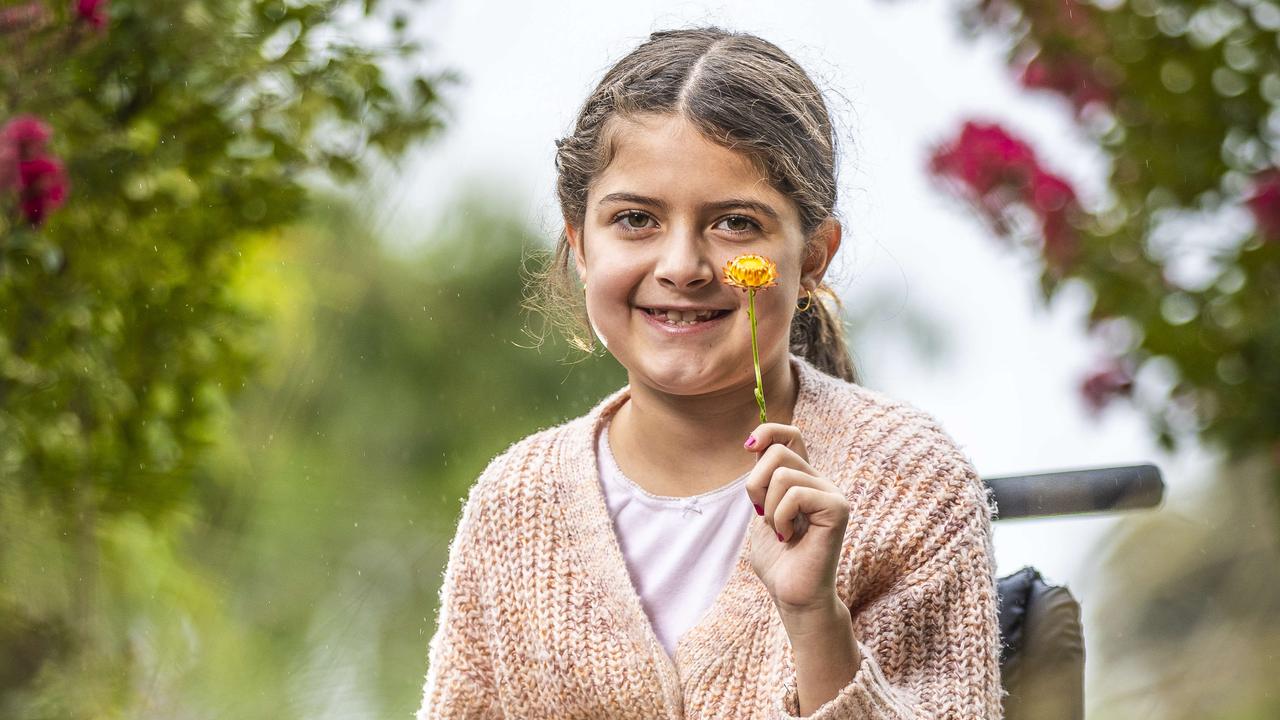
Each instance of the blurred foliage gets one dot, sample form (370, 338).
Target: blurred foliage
(189, 132)
(1182, 256)
(1182, 259)
(393, 380)
(116, 338)
(300, 577)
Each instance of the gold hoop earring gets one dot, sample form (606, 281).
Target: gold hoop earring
(808, 298)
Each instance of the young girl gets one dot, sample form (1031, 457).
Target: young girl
(667, 555)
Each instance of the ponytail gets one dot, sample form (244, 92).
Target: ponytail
(817, 335)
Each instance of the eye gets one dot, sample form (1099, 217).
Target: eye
(744, 223)
(626, 218)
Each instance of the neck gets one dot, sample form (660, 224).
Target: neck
(686, 445)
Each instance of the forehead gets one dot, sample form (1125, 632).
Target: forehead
(666, 156)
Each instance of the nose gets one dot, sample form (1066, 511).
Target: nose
(683, 263)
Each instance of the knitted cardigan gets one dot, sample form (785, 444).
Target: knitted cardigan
(538, 617)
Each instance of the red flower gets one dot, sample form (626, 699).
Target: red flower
(996, 169)
(1068, 75)
(1050, 193)
(42, 187)
(93, 12)
(1105, 383)
(39, 179)
(983, 157)
(1264, 201)
(26, 135)
(24, 18)
(1060, 239)
(8, 166)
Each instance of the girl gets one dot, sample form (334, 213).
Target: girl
(667, 555)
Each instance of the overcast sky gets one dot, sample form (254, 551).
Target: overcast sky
(899, 77)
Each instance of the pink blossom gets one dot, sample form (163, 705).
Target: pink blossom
(39, 179)
(1068, 75)
(1105, 383)
(8, 166)
(1050, 193)
(42, 187)
(1054, 200)
(996, 169)
(26, 135)
(1264, 202)
(983, 157)
(93, 12)
(24, 18)
(1061, 241)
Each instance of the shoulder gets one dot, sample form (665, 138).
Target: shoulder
(516, 465)
(881, 443)
(521, 476)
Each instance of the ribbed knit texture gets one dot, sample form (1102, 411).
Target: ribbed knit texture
(538, 617)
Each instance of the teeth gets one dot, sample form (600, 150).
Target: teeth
(674, 317)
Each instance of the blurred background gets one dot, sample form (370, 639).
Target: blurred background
(261, 268)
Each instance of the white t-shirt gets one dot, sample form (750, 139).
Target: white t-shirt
(679, 551)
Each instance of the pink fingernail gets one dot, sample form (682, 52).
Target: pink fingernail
(751, 441)
(759, 510)
(779, 536)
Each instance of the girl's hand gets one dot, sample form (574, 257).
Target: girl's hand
(796, 550)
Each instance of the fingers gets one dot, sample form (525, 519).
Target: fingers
(779, 483)
(784, 487)
(760, 483)
(802, 505)
(768, 434)
(770, 483)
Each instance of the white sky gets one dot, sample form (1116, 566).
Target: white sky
(1006, 387)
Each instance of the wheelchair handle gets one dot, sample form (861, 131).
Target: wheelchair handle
(1069, 492)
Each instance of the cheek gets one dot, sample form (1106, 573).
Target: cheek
(773, 316)
(781, 310)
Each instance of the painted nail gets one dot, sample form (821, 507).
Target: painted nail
(751, 441)
(759, 510)
(779, 536)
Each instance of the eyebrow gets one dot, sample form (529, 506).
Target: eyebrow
(728, 204)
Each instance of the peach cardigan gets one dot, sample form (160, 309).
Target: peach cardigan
(538, 617)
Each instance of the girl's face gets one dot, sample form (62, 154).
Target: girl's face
(661, 221)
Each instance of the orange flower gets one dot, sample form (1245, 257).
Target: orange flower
(750, 272)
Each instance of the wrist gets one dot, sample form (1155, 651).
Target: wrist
(816, 620)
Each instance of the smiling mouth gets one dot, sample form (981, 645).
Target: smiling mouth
(685, 318)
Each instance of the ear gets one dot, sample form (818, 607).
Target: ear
(822, 248)
(574, 235)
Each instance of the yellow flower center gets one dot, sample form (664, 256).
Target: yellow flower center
(751, 272)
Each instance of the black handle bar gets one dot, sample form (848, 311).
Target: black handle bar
(1068, 492)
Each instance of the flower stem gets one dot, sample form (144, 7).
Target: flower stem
(755, 354)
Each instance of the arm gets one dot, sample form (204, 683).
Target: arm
(826, 651)
(929, 645)
(460, 677)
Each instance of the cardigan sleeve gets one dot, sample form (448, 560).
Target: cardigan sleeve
(460, 674)
(930, 643)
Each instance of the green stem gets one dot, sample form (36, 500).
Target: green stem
(755, 354)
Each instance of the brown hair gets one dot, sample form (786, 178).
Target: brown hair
(740, 91)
